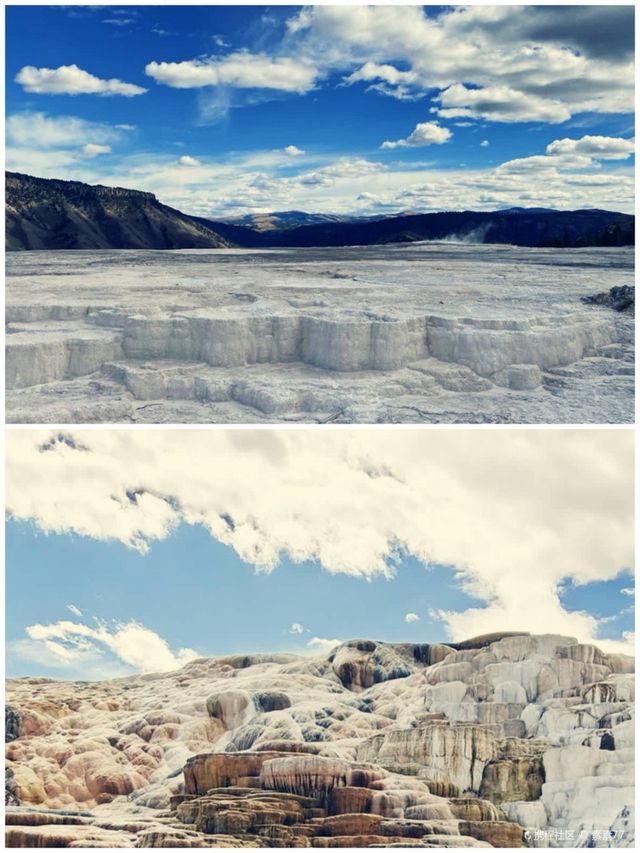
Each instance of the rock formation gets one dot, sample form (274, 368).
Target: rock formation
(619, 298)
(492, 742)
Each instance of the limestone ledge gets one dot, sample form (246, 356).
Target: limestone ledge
(510, 353)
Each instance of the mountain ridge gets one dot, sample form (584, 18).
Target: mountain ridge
(44, 213)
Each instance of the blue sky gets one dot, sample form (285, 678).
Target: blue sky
(130, 551)
(224, 110)
(196, 592)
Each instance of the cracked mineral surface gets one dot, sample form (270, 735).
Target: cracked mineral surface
(423, 332)
(506, 740)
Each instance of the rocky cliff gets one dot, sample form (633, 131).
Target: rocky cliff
(51, 214)
(502, 741)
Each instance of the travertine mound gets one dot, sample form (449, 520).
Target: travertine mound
(480, 743)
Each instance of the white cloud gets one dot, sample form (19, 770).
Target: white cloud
(504, 63)
(516, 512)
(574, 154)
(71, 80)
(73, 644)
(75, 610)
(387, 73)
(322, 645)
(93, 150)
(595, 147)
(550, 164)
(296, 628)
(44, 145)
(541, 64)
(186, 160)
(39, 130)
(125, 126)
(499, 103)
(293, 151)
(411, 617)
(484, 143)
(628, 590)
(242, 70)
(262, 181)
(426, 133)
(42, 163)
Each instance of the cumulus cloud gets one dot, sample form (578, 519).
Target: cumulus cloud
(411, 617)
(499, 103)
(501, 63)
(71, 80)
(574, 154)
(186, 160)
(73, 609)
(542, 63)
(242, 70)
(75, 644)
(426, 133)
(516, 513)
(293, 151)
(595, 147)
(296, 628)
(628, 590)
(484, 143)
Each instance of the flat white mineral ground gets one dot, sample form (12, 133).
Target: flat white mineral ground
(429, 333)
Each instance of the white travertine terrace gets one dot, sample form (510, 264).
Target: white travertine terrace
(431, 332)
(466, 745)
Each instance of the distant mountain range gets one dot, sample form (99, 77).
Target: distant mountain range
(284, 220)
(55, 214)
